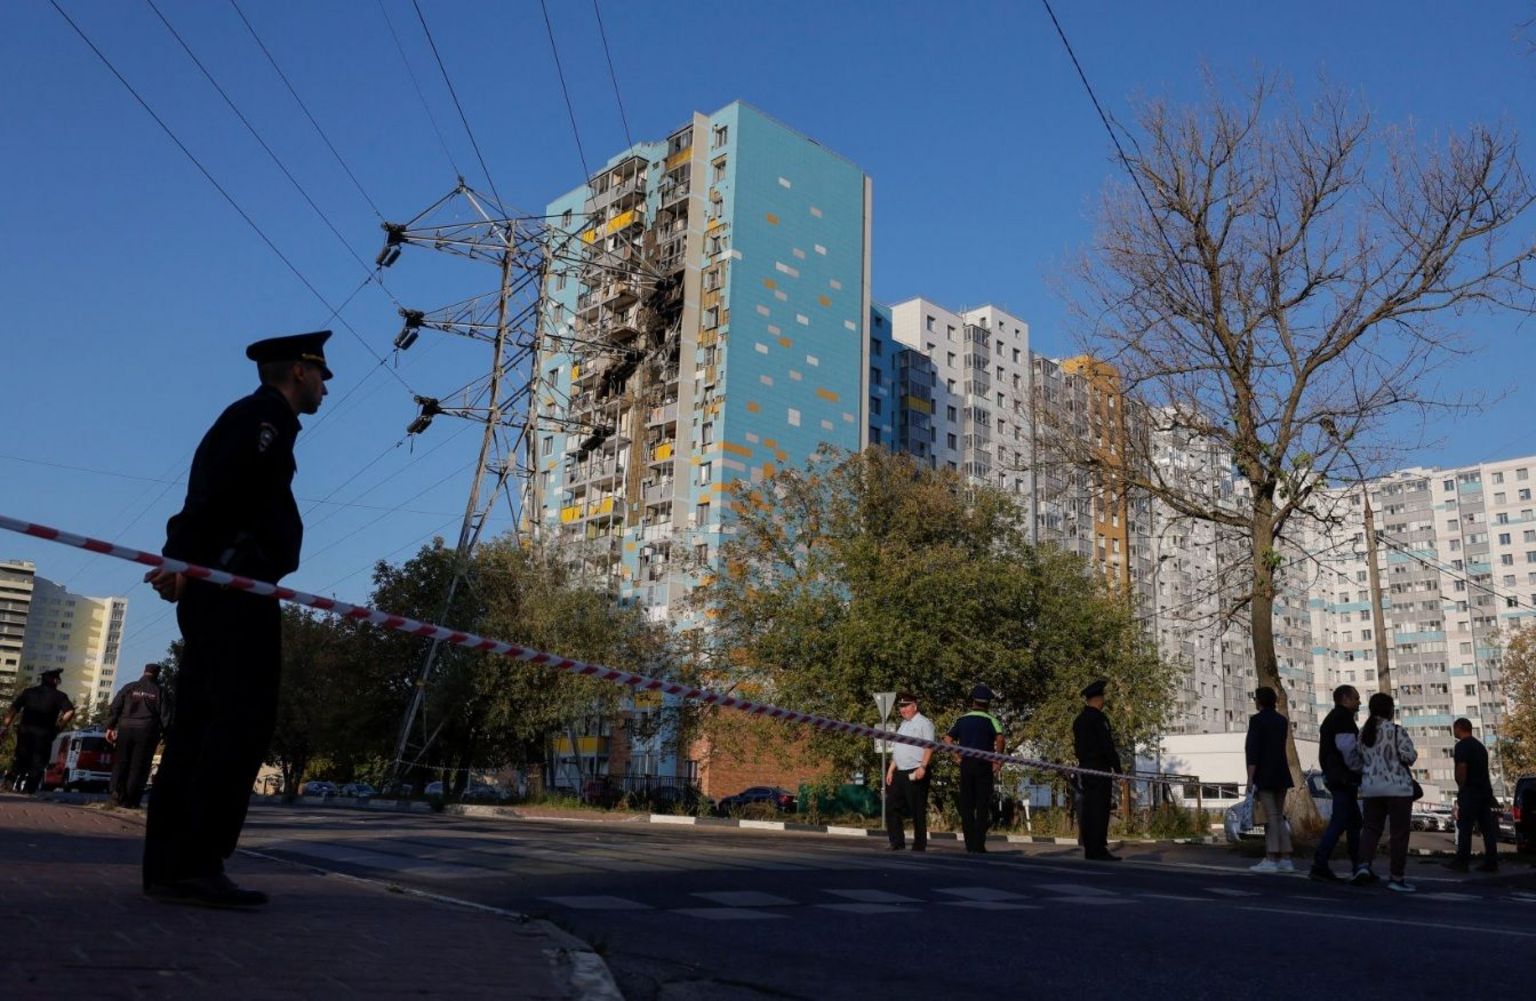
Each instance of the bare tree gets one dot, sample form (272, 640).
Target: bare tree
(1281, 281)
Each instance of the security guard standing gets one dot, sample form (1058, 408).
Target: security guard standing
(43, 710)
(239, 516)
(981, 731)
(1095, 746)
(139, 714)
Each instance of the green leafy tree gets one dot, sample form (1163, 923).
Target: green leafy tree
(482, 710)
(866, 573)
(1517, 737)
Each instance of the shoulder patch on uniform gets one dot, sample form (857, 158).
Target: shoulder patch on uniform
(266, 434)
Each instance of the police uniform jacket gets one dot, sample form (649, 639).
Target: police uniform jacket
(1093, 741)
(41, 706)
(140, 704)
(240, 515)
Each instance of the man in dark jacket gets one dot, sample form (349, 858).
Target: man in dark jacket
(140, 713)
(43, 710)
(981, 731)
(1336, 739)
(240, 517)
(1095, 746)
(1269, 776)
(1474, 800)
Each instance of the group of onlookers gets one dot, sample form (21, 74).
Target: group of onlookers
(1368, 772)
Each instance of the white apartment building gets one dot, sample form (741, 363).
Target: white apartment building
(75, 633)
(16, 583)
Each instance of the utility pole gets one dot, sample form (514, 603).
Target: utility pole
(1378, 615)
(515, 246)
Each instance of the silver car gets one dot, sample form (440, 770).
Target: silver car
(1321, 798)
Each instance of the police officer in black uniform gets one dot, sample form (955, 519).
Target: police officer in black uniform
(139, 714)
(980, 730)
(43, 710)
(1095, 746)
(239, 516)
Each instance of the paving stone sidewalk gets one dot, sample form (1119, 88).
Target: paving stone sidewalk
(74, 924)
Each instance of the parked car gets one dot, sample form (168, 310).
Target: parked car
(772, 796)
(433, 789)
(481, 793)
(79, 759)
(1523, 813)
(359, 790)
(1321, 797)
(319, 787)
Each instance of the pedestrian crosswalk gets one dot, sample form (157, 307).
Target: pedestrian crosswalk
(749, 905)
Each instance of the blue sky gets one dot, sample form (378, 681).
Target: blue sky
(130, 286)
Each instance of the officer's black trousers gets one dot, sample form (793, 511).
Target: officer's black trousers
(33, 745)
(975, 803)
(226, 707)
(131, 760)
(1094, 821)
(906, 796)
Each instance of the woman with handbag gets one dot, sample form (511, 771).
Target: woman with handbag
(1387, 792)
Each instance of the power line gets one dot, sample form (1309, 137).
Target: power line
(455, 95)
(603, 34)
(374, 273)
(1454, 574)
(305, 108)
(419, 93)
(569, 108)
(1113, 137)
(334, 311)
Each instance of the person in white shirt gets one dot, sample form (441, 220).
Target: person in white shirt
(906, 780)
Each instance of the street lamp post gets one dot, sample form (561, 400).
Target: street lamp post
(883, 701)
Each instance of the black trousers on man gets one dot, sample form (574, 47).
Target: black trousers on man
(909, 797)
(1094, 820)
(131, 761)
(226, 709)
(976, 786)
(33, 745)
(1476, 811)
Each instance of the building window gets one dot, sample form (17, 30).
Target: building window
(722, 133)
(703, 512)
(707, 433)
(549, 444)
(718, 174)
(706, 472)
(928, 325)
(949, 440)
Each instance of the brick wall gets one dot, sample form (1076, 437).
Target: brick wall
(737, 752)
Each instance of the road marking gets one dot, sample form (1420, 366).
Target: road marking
(1077, 890)
(1449, 896)
(981, 893)
(1089, 900)
(1484, 929)
(725, 913)
(744, 898)
(991, 905)
(1175, 896)
(873, 896)
(868, 908)
(1227, 892)
(597, 902)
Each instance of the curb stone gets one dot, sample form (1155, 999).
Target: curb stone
(576, 963)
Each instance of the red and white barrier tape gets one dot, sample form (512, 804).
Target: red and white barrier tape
(427, 630)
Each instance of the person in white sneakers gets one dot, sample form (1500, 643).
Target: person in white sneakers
(1269, 776)
(1386, 792)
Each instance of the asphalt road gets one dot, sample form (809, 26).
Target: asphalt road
(711, 913)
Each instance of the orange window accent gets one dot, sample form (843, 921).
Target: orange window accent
(736, 449)
(825, 300)
(785, 342)
(773, 220)
(770, 283)
(770, 443)
(781, 455)
(769, 469)
(753, 408)
(827, 394)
